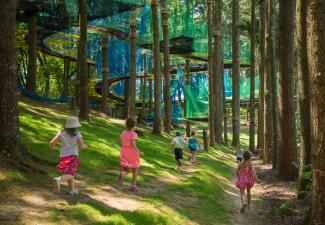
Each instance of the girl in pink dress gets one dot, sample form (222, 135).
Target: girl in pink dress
(130, 154)
(246, 177)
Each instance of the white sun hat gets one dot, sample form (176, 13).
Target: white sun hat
(72, 122)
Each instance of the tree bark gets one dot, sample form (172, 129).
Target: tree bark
(287, 141)
(268, 103)
(235, 74)
(83, 76)
(261, 74)
(316, 49)
(166, 70)
(218, 85)
(210, 72)
(105, 74)
(9, 121)
(157, 84)
(252, 83)
(303, 91)
(133, 51)
(144, 87)
(65, 78)
(32, 50)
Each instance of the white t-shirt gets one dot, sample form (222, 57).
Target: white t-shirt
(178, 142)
(69, 144)
(240, 153)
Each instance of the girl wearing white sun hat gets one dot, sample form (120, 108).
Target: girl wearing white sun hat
(70, 139)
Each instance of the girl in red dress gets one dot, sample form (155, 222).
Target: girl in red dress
(130, 154)
(246, 177)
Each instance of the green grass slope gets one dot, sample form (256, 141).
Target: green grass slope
(196, 196)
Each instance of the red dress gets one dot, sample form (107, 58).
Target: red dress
(129, 156)
(245, 178)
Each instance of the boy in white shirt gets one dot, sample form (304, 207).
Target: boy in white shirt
(177, 145)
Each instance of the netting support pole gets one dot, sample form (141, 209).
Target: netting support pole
(105, 74)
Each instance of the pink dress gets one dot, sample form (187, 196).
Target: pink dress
(129, 157)
(245, 178)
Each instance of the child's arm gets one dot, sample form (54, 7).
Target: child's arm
(238, 168)
(54, 141)
(254, 173)
(81, 144)
(135, 147)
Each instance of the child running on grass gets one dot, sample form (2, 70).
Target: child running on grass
(70, 139)
(246, 177)
(239, 154)
(130, 154)
(193, 146)
(177, 146)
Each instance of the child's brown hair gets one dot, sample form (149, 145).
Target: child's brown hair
(130, 123)
(247, 155)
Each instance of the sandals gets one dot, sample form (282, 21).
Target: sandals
(133, 188)
(243, 208)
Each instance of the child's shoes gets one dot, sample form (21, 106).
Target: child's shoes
(58, 183)
(243, 208)
(73, 192)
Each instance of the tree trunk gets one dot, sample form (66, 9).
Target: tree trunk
(275, 101)
(167, 100)
(32, 50)
(65, 78)
(156, 70)
(126, 97)
(261, 74)
(287, 144)
(83, 76)
(47, 78)
(210, 72)
(303, 90)
(268, 102)
(225, 118)
(105, 74)
(235, 74)
(144, 87)
(316, 49)
(9, 120)
(218, 73)
(252, 83)
(133, 55)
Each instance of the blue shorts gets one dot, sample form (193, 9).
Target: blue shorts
(239, 158)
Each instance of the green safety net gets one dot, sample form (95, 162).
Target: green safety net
(59, 32)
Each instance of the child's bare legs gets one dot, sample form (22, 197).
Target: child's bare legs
(192, 156)
(134, 176)
(69, 178)
(243, 200)
(248, 190)
(123, 172)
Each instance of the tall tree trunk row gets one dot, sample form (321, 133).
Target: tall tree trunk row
(133, 52)
(210, 72)
(9, 120)
(83, 67)
(262, 11)
(105, 74)
(315, 50)
(268, 102)
(287, 116)
(303, 91)
(156, 70)
(218, 73)
(235, 74)
(32, 50)
(252, 82)
(166, 69)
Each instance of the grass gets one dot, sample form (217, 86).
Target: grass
(194, 198)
